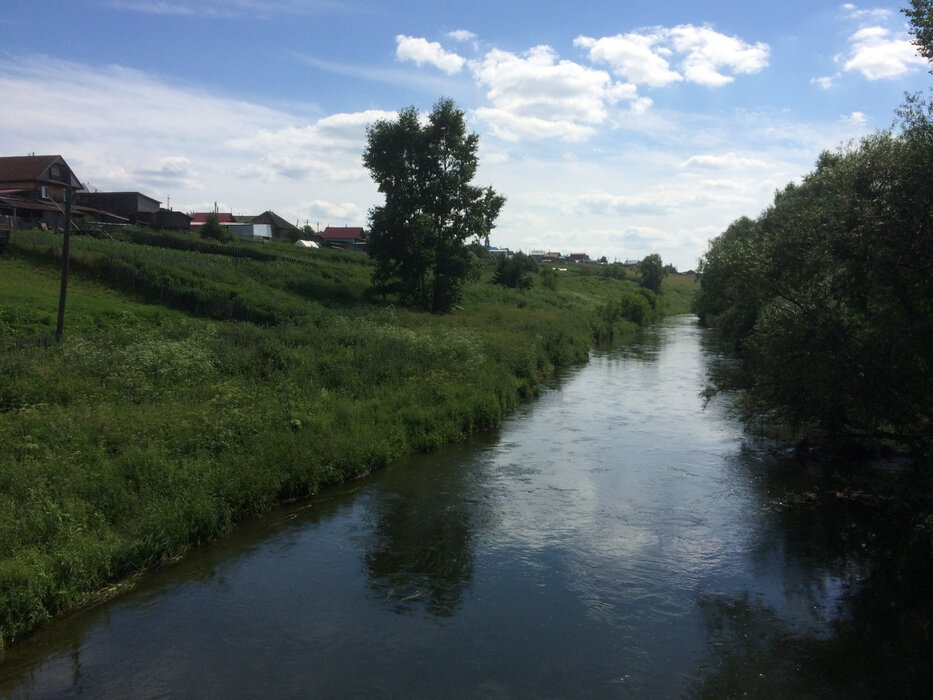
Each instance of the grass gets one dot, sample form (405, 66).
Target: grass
(195, 387)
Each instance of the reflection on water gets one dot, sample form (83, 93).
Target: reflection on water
(613, 539)
(855, 605)
(418, 543)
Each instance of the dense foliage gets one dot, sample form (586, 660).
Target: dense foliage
(212, 228)
(516, 271)
(828, 296)
(920, 14)
(200, 382)
(652, 272)
(418, 237)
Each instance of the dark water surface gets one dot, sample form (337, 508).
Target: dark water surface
(613, 539)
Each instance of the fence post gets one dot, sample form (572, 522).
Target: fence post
(66, 244)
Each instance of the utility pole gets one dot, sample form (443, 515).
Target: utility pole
(66, 245)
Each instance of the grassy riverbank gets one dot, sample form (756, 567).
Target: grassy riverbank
(196, 387)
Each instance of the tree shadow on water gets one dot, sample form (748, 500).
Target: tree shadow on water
(419, 546)
(854, 617)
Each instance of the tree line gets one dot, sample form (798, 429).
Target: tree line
(827, 296)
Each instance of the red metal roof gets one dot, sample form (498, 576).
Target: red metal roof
(343, 232)
(201, 217)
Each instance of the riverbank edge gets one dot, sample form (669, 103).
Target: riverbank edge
(103, 570)
(323, 477)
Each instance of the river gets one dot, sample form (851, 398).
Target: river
(615, 538)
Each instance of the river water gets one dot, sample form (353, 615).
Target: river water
(613, 539)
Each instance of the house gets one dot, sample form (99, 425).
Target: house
(578, 257)
(169, 219)
(280, 228)
(233, 225)
(199, 218)
(33, 190)
(346, 237)
(250, 230)
(133, 207)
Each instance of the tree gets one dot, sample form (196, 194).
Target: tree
(212, 228)
(418, 237)
(829, 297)
(920, 14)
(516, 271)
(652, 272)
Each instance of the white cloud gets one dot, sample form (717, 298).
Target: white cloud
(644, 58)
(877, 56)
(633, 56)
(331, 146)
(335, 213)
(856, 119)
(708, 52)
(422, 51)
(511, 127)
(825, 82)
(722, 162)
(539, 96)
(874, 14)
(462, 35)
(120, 129)
(656, 203)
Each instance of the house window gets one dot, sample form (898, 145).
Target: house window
(56, 171)
(44, 192)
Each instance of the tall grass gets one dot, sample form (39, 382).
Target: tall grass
(195, 387)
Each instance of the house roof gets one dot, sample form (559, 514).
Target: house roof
(276, 221)
(343, 232)
(20, 203)
(101, 195)
(200, 217)
(34, 168)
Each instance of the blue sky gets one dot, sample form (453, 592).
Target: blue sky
(613, 128)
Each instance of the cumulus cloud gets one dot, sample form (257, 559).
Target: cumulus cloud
(539, 96)
(856, 119)
(706, 57)
(708, 52)
(422, 51)
(878, 56)
(329, 146)
(723, 162)
(633, 56)
(462, 35)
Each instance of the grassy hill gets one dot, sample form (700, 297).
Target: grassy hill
(199, 383)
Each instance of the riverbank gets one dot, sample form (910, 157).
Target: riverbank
(198, 387)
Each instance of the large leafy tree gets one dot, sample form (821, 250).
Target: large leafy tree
(920, 13)
(418, 237)
(652, 272)
(829, 296)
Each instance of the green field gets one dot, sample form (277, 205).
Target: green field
(198, 384)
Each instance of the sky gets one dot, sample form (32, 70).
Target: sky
(616, 129)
